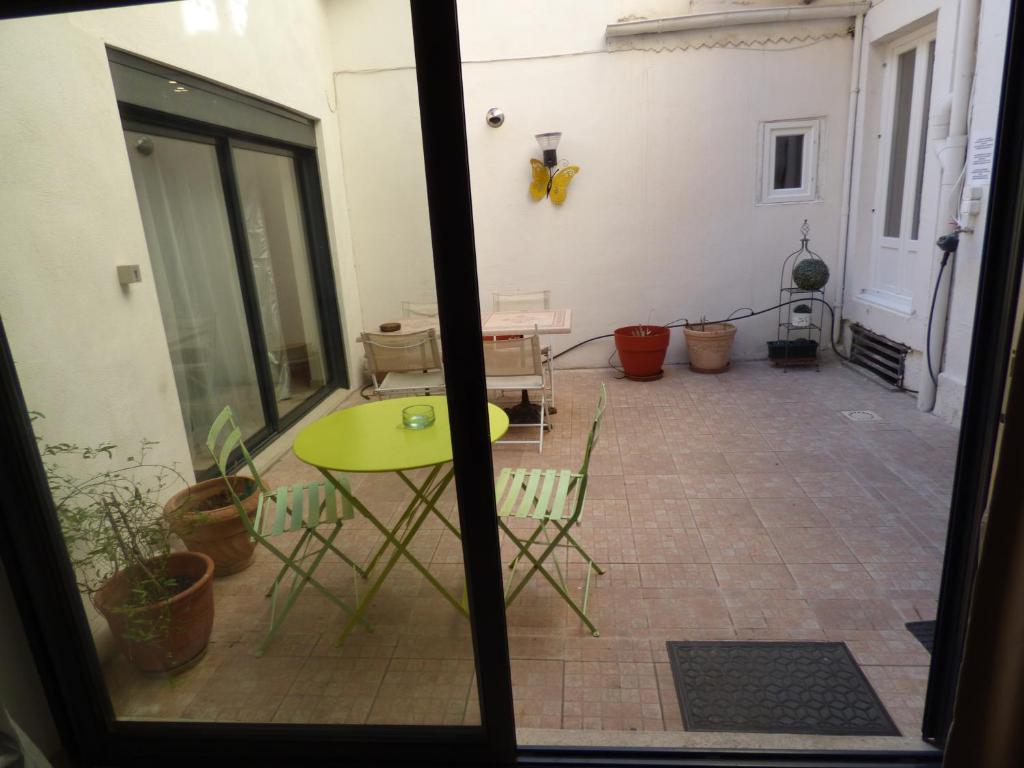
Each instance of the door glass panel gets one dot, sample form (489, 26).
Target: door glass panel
(900, 138)
(923, 142)
(184, 215)
(789, 161)
(276, 233)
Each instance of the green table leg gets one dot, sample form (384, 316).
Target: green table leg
(423, 504)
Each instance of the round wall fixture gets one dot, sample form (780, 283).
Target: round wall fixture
(495, 117)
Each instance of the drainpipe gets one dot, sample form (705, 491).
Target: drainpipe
(848, 169)
(952, 159)
(735, 18)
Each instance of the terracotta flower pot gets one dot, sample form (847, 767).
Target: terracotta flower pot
(642, 355)
(181, 624)
(709, 346)
(207, 525)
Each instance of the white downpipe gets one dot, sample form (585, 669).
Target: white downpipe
(952, 158)
(735, 18)
(848, 169)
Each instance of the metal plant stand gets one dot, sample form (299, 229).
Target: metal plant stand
(797, 345)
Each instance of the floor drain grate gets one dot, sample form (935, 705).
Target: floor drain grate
(862, 416)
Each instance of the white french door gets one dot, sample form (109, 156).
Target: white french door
(902, 158)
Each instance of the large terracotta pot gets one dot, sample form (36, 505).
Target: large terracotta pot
(709, 346)
(642, 355)
(217, 531)
(182, 624)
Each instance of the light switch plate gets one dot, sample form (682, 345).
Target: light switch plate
(129, 273)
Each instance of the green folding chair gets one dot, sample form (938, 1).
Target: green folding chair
(553, 498)
(302, 507)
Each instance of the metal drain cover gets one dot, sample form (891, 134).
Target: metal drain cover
(862, 416)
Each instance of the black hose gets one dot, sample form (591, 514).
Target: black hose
(931, 316)
(751, 313)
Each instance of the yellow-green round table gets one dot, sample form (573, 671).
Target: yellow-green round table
(372, 438)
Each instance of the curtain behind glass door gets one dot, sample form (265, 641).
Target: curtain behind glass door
(277, 246)
(185, 218)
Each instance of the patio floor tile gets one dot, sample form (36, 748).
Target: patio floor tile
(715, 517)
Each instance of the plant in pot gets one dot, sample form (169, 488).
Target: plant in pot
(206, 519)
(801, 316)
(642, 350)
(709, 345)
(157, 602)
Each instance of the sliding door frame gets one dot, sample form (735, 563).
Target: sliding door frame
(36, 561)
(224, 140)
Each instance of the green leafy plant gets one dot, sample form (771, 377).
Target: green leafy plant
(113, 522)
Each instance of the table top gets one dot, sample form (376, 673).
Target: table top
(544, 321)
(371, 437)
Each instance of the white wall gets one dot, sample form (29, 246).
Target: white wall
(92, 356)
(661, 222)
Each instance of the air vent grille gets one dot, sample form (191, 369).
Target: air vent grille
(885, 358)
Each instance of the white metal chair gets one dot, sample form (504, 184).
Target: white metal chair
(516, 364)
(419, 309)
(404, 364)
(530, 302)
(521, 302)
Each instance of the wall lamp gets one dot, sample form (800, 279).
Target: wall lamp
(547, 181)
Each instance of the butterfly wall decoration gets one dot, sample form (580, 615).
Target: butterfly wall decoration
(553, 184)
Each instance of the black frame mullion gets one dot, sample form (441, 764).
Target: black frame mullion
(324, 286)
(443, 126)
(247, 279)
(995, 315)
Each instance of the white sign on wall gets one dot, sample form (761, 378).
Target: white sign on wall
(979, 160)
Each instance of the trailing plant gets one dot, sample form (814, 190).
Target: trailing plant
(113, 522)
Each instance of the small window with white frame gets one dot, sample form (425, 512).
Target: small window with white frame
(789, 161)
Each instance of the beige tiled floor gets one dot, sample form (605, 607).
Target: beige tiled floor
(736, 506)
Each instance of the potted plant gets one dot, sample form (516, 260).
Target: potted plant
(642, 350)
(205, 518)
(801, 316)
(157, 602)
(709, 345)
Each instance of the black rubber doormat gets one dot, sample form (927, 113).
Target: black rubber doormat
(924, 631)
(764, 687)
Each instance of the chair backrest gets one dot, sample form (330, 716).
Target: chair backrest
(419, 309)
(595, 433)
(521, 302)
(224, 438)
(518, 356)
(401, 352)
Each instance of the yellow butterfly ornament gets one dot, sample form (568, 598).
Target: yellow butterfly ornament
(551, 184)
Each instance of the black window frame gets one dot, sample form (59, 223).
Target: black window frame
(54, 620)
(224, 139)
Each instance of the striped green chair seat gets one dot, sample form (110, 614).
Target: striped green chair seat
(553, 499)
(305, 507)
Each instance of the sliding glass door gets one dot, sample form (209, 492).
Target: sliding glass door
(239, 309)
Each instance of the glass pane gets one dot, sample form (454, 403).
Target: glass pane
(280, 259)
(900, 138)
(115, 366)
(789, 162)
(923, 143)
(196, 276)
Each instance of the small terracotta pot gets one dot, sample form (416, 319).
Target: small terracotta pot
(642, 356)
(218, 533)
(709, 346)
(188, 624)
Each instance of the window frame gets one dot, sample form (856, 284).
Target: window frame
(810, 129)
(225, 139)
